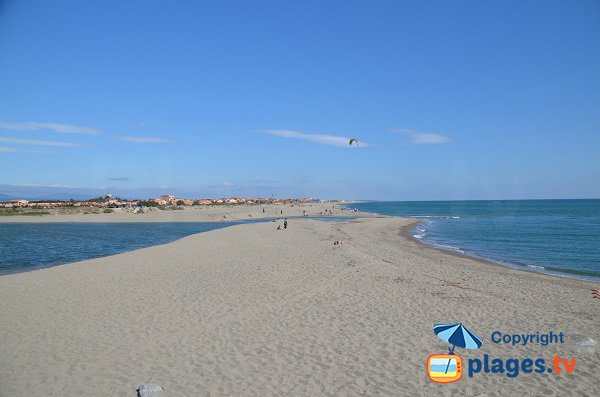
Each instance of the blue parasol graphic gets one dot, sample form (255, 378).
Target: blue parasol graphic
(457, 335)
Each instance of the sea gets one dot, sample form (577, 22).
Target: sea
(560, 237)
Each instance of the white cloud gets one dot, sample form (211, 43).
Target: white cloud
(423, 138)
(44, 151)
(142, 139)
(19, 141)
(39, 185)
(6, 149)
(120, 179)
(332, 140)
(221, 185)
(56, 127)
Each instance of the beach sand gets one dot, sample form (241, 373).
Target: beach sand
(252, 311)
(209, 213)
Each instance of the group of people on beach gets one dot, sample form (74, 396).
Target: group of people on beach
(285, 223)
(280, 211)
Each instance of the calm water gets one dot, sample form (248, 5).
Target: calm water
(31, 246)
(544, 235)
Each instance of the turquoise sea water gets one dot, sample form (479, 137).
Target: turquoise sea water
(552, 236)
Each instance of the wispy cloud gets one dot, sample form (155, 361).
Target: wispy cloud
(44, 151)
(221, 185)
(56, 127)
(423, 138)
(120, 179)
(142, 139)
(19, 141)
(6, 149)
(41, 185)
(331, 140)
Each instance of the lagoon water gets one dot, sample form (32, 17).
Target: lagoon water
(31, 246)
(545, 235)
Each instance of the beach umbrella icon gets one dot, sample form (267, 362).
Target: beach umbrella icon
(457, 335)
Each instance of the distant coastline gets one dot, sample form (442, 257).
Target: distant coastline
(175, 213)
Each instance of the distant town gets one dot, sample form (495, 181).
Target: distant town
(108, 201)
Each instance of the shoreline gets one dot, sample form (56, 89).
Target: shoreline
(335, 218)
(554, 272)
(249, 310)
(210, 214)
(406, 232)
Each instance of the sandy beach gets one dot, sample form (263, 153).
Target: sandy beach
(252, 311)
(210, 213)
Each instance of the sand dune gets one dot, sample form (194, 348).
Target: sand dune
(252, 311)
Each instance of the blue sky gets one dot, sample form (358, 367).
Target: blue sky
(450, 100)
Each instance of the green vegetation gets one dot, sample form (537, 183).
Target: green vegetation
(104, 199)
(97, 200)
(108, 211)
(180, 202)
(19, 211)
(149, 203)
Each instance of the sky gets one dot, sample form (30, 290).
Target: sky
(448, 99)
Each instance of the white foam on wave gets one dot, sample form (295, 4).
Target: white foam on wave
(435, 217)
(536, 267)
(419, 232)
(449, 247)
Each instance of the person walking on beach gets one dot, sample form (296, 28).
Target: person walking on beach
(263, 210)
(285, 223)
